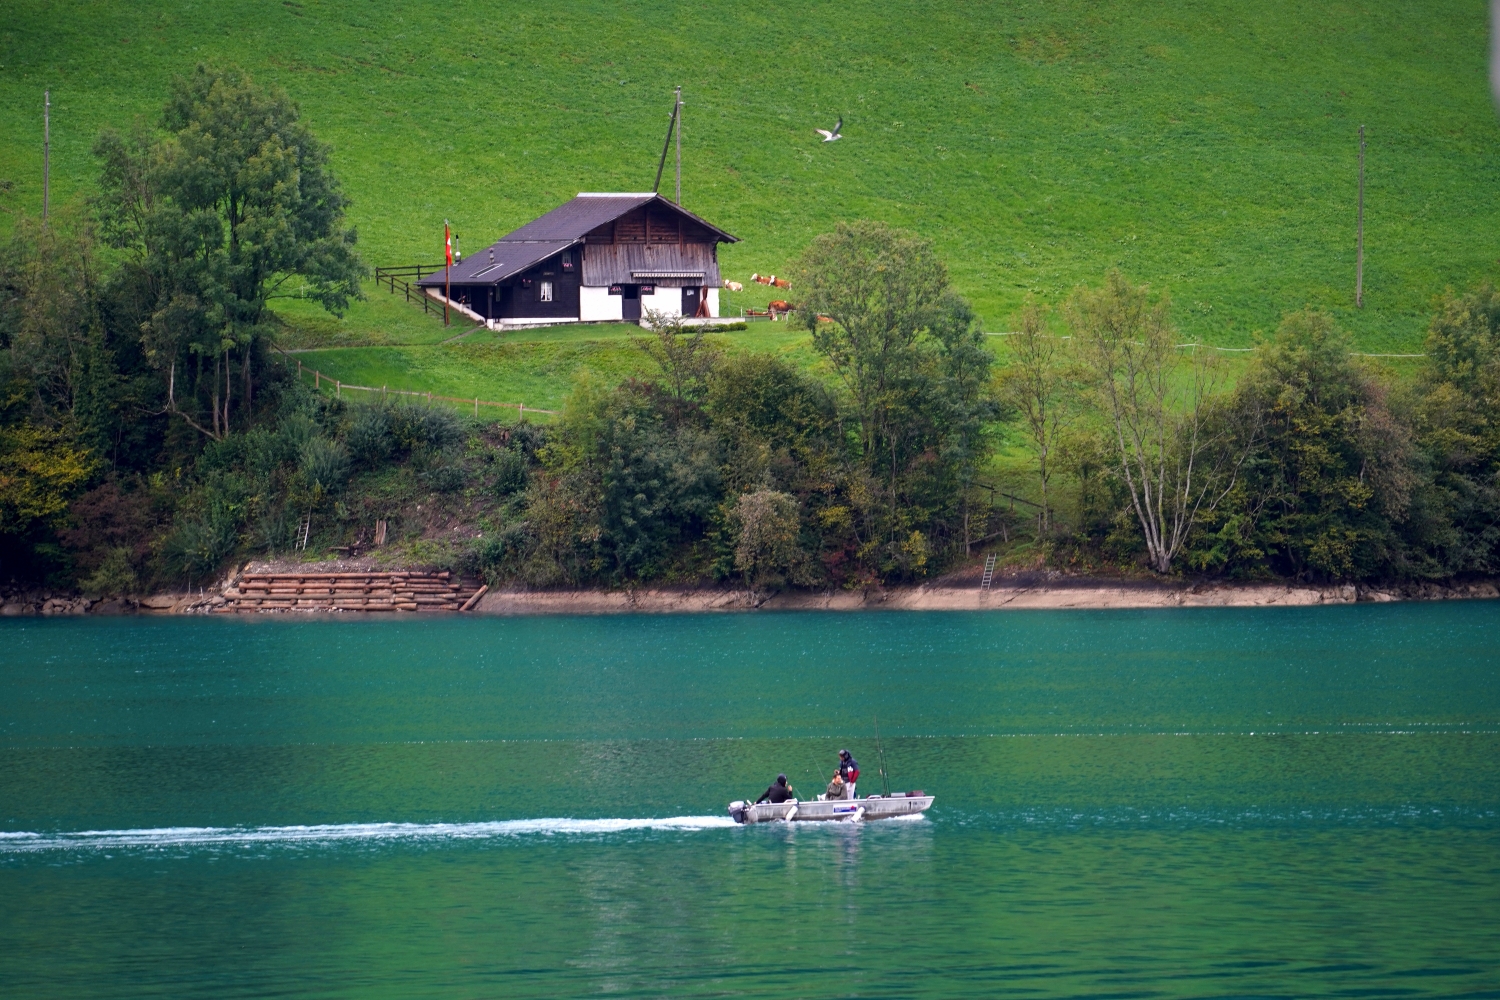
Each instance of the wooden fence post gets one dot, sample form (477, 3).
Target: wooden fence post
(317, 379)
(338, 389)
(476, 406)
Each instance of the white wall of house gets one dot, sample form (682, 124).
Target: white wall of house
(713, 302)
(667, 301)
(595, 304)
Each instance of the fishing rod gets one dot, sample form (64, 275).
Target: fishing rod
(884, 784)
(817, 776)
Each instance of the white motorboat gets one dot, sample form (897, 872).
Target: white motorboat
(835, 810)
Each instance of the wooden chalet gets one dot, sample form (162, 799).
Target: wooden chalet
(598, 258)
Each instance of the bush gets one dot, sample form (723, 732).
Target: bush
(527, 438)
(266, 450)
(415, 427)
(370, 439)
(324, 463)
(115, 575)
(446, 477)
(275, 529)
(766, 527)
(510, 471)
(499, 553)
(295, 431)
(199, 545)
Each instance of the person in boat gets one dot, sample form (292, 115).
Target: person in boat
(778, 793)
(849, 771)
(836, 788)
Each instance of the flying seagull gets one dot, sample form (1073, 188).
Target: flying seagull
(830, 136)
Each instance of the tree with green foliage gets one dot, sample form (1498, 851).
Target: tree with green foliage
(1330, 477)
(60, 370)
(40, 471)
(880, 289)
(1158, 414)
(684, 356)
(1457, 423)
(766, 529)
(1035, 384)
(230, 205)
(912, 362)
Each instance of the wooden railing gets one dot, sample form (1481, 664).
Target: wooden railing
(401, 278)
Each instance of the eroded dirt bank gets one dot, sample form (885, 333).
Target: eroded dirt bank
(959, 591)
(1004, 595)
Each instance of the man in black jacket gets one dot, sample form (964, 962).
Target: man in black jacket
(849, 771)
(778, 793)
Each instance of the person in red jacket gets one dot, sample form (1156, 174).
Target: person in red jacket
(848, 770)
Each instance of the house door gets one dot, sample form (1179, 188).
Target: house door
(630, 307)
(690, 301)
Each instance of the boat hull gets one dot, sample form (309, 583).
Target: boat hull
(832, 811)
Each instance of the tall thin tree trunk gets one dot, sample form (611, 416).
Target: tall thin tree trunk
(215, 395)
(1042, 469)
(245, 396)
(228, 385)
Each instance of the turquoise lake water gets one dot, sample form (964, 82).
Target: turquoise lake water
(1193, 803)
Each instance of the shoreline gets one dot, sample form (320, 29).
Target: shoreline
(955, 592)
(1005, 595)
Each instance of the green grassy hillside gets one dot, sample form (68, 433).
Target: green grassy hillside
(534, 367)
(1208, 149)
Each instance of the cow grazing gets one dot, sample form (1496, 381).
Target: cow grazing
(778, 306)
(773, 281)
(733, 286)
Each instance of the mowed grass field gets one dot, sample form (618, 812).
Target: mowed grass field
(534, 367)
(1208, 149)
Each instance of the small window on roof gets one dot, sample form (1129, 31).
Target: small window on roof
(545, 295)
(567, 260)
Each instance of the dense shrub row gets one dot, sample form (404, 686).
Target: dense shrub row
(1314, 464)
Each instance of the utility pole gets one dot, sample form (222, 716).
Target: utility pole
(46, 151)
(666, 147)
(1359, 250)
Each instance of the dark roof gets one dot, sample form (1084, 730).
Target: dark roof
(510, 258)
(587, 212)
(559, 229)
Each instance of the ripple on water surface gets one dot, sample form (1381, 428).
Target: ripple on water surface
(1269, 803)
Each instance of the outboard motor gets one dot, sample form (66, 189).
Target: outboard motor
(737, 811)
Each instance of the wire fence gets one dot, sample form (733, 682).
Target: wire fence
(340, 387)
(1211, 347)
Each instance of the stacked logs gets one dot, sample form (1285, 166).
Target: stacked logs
(398, 591)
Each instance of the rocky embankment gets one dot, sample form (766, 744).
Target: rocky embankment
(16, 602)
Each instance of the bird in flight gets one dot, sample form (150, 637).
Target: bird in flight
(830, 136)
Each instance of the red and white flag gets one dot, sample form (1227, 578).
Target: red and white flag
(448, 243)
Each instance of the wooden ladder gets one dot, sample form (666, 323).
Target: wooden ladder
(989, 572)
(303, 530)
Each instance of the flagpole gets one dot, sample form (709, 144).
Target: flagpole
(447, 264)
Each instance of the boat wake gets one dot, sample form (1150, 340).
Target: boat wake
(209, 836)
